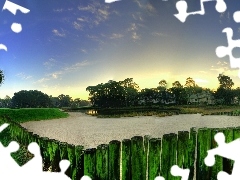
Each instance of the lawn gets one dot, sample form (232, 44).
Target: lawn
(29, 114)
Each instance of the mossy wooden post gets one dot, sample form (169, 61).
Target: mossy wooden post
(72, 159)
(126, 160)
(54, 155)
(218, 165)
(168, 155)
(102, 162)
(114, 159)
(138, 158)
(79, 153)
(182, 150)
(154, 158)
(192, 151)
(228, 164)
(146, 139)
(90, 163)
(44, 153)
(64, 154)
(203, 145)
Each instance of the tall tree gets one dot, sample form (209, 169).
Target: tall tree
(190, 82)
(162, 84)
(65, 100)
(30, 99)
(225, 82)
(177, 84)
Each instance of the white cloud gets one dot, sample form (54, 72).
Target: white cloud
(116, 36)
(99, 10)
(50, 63)
(77, 25)
(23, 76)
(57, 33)
(67, 69)
(135, 36)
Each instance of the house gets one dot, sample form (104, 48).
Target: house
(204, 97)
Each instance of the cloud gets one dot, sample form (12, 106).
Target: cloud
(133, 29)
(50, 63)
(158, 34)
(135, 36)
(146, 6)
(57, 33)
(23, 76)
(99, 10)
(223, 67)
(116, 36)
(57, 75)
(77, 25)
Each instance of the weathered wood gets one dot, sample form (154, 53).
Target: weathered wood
(114, 159)
(154, 158)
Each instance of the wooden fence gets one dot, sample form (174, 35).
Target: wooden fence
(138, 158)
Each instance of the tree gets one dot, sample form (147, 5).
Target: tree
(162, 85)
(225, 82)
(224, 93)
(190, 82)
(131, 91)
(64, 100)
(177, 84)
(30, 99)
(177, 89)
(1, 77)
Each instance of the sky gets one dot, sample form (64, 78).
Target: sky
(67, 45)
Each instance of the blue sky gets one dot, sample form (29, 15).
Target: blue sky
(66, 46)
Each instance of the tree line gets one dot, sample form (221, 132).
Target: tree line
(127, 93)
(38, 99)
(124, 93)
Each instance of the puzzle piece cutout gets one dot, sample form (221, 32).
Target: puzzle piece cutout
(177, 171)
(226, 150)
(222, 51)
(15, 27)
(12, 7)
(236, 16)
(182, 9)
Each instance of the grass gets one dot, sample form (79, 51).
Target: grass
(32, 114)
(22, 156)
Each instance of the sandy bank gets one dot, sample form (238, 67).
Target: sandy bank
(81, 129)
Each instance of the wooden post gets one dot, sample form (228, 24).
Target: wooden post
(154, 158)
(72, 159)
(218, 166)
(126, 160)
(192, 151)
(138, 158)
(114, 159)
(203, 145)
(228, 164)
(90, 163)
(102, 162)
(79, 153)
(168, 156)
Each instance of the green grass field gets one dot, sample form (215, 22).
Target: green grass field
(32, 114)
